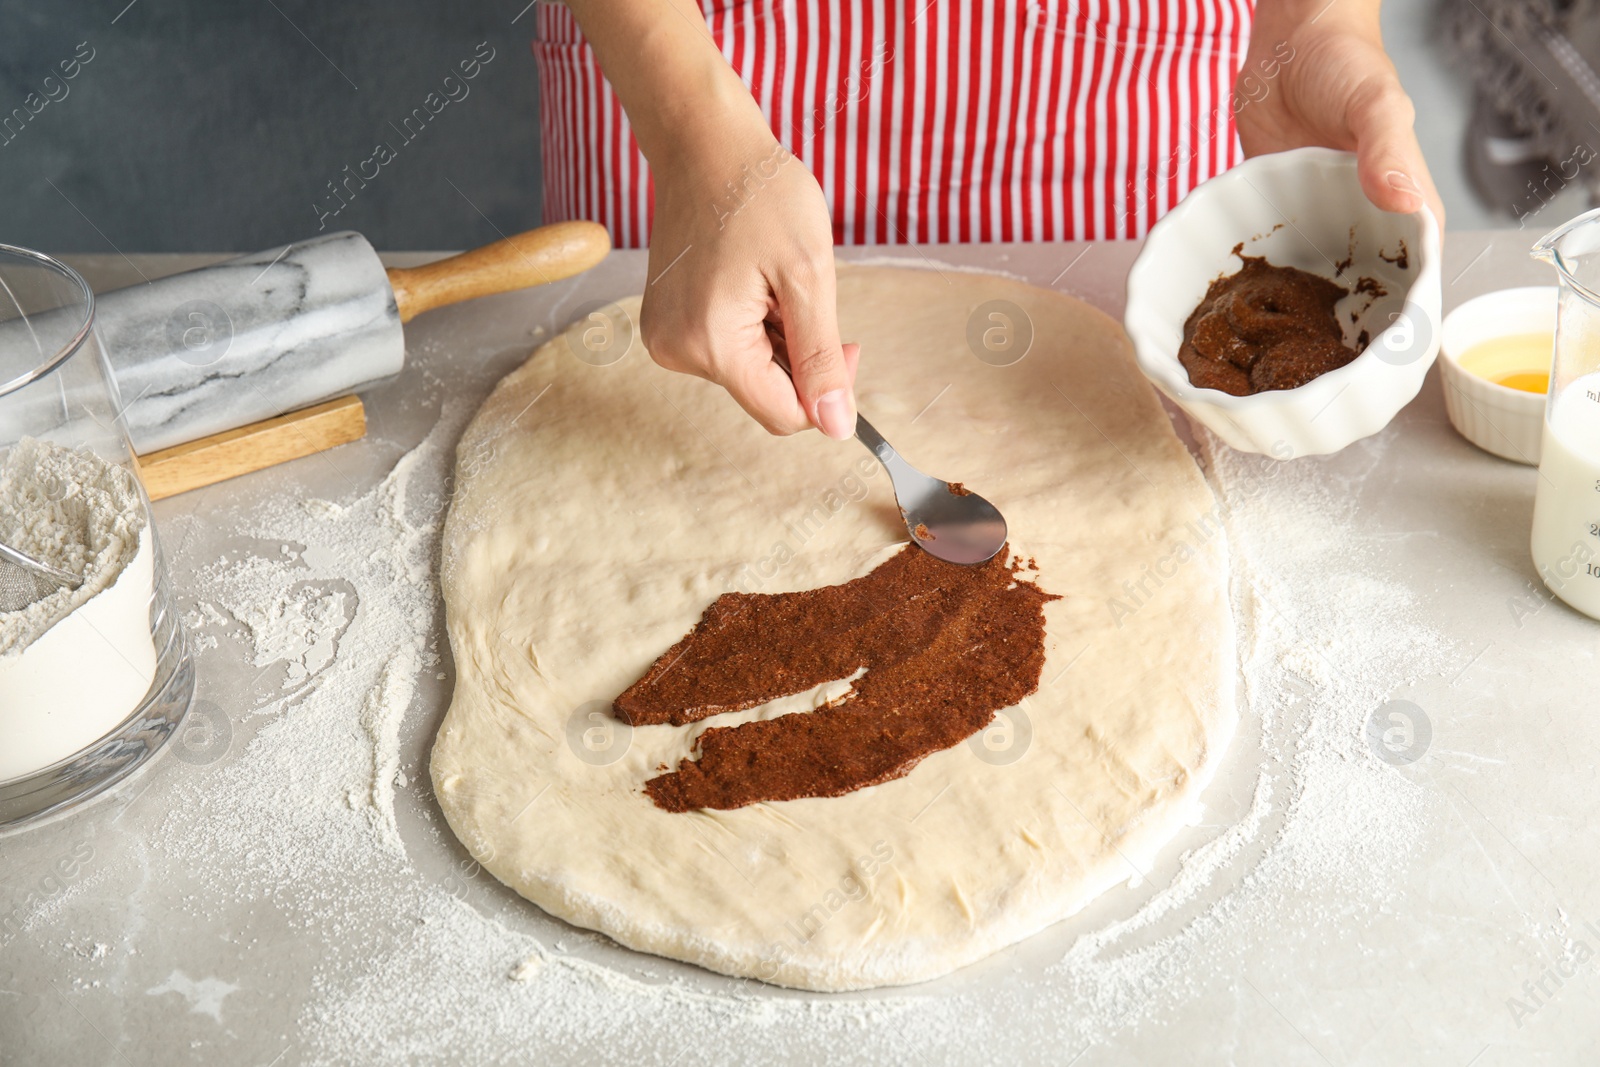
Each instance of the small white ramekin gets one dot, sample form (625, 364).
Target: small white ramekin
(1507, 422)
(1303, 208)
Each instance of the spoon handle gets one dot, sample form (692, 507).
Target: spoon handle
(867, 435)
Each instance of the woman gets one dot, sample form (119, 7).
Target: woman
(925, 120)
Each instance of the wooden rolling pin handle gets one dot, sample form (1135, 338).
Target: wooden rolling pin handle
(546, 254)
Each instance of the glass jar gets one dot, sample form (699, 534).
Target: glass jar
(93, 680)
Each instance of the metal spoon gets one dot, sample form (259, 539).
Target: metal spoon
(945, 519)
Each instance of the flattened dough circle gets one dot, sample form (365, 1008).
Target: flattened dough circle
(599, 509)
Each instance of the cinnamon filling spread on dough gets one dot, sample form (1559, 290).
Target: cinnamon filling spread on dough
(943, 648)
(1265, 328)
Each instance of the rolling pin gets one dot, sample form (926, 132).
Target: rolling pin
(211, 350)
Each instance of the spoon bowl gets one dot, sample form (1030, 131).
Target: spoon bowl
(945, 519)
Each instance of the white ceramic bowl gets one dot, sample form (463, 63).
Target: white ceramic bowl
(1305, 209)
(1508, 422)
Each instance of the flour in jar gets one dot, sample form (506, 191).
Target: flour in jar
(76, 663)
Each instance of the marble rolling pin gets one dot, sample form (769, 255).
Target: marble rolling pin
(219, 348)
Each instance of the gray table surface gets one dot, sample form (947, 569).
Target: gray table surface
(1429, 983)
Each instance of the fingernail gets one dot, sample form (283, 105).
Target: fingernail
(835, 416)
(1401, 182)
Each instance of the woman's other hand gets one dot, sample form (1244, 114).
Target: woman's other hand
(1316, 74)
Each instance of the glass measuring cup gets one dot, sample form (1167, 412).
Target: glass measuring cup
(1566, 510)
(93, 681)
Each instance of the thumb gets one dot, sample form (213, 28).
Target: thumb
(1389, 160)
(822, 376)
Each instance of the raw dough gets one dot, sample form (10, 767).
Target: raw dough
(598, 510)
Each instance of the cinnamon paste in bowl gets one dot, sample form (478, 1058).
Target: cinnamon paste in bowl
(1265, 328)
(1267, 369)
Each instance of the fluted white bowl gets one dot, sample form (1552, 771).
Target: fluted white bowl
(1302, 208)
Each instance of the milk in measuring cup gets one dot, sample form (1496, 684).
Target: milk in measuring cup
(1566, 508)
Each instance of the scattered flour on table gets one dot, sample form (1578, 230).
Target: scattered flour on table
(380, 717)
(56, 896)
(528, 969)
(339, 597)
(204, 996)
(297, 629)
(336, 602)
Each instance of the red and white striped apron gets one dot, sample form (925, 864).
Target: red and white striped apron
(949, 120)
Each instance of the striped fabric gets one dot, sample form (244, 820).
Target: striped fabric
(949, 120)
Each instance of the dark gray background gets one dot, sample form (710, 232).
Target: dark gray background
(214, 125)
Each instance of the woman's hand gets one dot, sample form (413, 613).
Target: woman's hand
(743, 245)
(1316, 74)
(741, 250)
